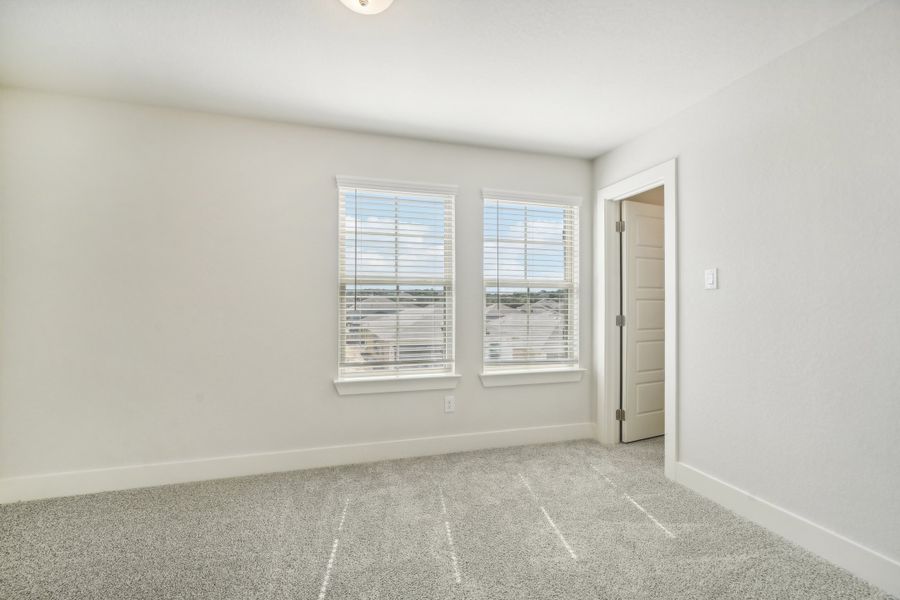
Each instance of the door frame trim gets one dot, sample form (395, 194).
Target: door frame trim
(606, 278)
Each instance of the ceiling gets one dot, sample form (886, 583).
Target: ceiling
(572, 77)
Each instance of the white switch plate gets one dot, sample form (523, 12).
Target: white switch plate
(711, 279)
(449, 404)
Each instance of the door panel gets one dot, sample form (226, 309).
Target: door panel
(650, 273)
(650, 396)
(650, 357)
(643, 336)
(651, 314)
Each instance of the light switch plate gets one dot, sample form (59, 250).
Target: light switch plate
(711, 279)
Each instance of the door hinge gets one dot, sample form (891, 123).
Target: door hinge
(620, 226)
(620, 414)
(620, 320)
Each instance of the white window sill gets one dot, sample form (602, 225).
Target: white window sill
(395, 383)
(530, 377)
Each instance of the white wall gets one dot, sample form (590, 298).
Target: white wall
(789, 183)
(169, 291)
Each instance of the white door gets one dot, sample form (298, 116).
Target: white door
(643, 303)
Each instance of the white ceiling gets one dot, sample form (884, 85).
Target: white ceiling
(573, 77)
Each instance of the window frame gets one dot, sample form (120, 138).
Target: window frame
(396, 380)
(493, 375)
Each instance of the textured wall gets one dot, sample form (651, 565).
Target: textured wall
(789, 183)
(169, 286)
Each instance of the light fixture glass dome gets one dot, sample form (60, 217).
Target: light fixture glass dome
(367, 7)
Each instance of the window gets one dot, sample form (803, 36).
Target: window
(530, 282)
(396, 278)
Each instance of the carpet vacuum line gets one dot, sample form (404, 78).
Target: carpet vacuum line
(548, 518)
(334, 546)
(639, 507)
(453, 559)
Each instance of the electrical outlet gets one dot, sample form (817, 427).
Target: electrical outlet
(449, 404)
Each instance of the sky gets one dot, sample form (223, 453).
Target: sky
(522, 242)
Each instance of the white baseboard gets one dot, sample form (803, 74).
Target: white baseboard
(72, 483)
(872, 566)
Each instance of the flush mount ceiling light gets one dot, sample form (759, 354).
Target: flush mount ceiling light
(367, 7)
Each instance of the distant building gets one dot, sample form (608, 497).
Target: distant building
(407, 334)
(521, 336)
(545, 304)
(382, 329)
(495, 311)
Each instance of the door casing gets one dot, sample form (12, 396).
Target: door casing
(606, 303)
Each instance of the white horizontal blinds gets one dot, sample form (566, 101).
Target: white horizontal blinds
(396, 282)
(530, 284)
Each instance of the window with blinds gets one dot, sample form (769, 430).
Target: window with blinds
(530, 281)
(396, 278)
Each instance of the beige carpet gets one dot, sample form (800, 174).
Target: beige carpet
(571, 520)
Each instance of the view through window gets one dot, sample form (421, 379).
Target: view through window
(530, 284)
(396, 282)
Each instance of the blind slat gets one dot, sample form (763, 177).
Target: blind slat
(530, 284)
(397, 287)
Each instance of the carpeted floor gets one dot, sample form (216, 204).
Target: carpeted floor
(571, 520)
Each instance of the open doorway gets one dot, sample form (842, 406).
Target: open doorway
(635, 313)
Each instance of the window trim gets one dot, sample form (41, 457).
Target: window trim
(533, 376)
(390, 185)
(494, 194)
(518, 374)
(398, 382)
